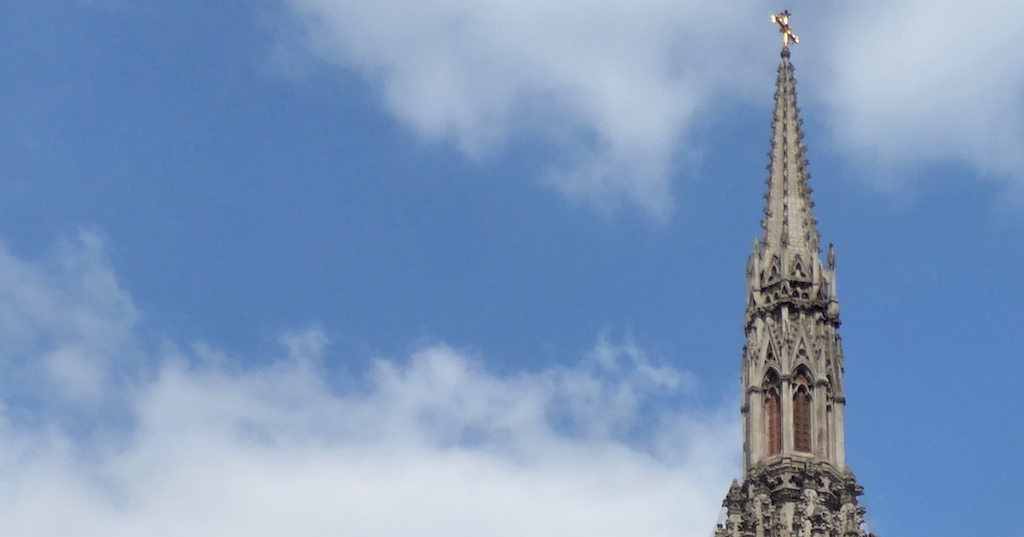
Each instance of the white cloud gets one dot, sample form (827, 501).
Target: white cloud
(627, 76)
(63, 319)
(928, 82)
(432, 444)
(618, 87)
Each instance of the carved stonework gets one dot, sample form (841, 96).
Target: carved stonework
(795, 479)
(793, 498)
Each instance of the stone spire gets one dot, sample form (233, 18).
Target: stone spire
(788, 221)
(792, 314)
(795, 479)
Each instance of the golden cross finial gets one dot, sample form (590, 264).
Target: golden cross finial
(782, 19)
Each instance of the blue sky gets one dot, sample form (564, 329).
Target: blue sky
(375, 268)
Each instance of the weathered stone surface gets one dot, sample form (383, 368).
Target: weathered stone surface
(791, 498)
(792, 314)
(795, 479)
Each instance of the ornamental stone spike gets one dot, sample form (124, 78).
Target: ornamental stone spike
(795, 479)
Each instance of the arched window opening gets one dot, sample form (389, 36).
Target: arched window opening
(773, 423)
(828, 431)
(802, 414)
(828, 446)
(772, 414)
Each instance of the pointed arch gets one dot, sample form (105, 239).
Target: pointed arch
(802, 356)
(772, 388)
(774, 270)
(770, 356)
(802, 373)
(798, 271)
(802, 410)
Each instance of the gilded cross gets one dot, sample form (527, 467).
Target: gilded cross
(782, 19)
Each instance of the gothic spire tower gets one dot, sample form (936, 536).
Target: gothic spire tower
(795, 479)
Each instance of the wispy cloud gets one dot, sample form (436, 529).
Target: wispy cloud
(615, 85)
(928, 82)
(65, 324)
(618, 87)
(430, 444)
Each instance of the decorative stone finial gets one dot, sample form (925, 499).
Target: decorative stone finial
(782, 19)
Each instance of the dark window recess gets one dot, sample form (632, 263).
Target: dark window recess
(773, 423)
(802, 421)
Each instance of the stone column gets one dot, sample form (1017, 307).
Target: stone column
(819, 428)
(787, 415)
(840, 439)
(755, 424)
